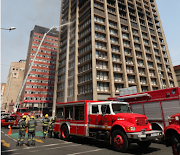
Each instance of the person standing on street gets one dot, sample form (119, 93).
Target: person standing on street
(45, 124)
(51, 127)
(22, 130)
(31, 130)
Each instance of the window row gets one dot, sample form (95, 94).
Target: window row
(39, 92)
(39, 86)
(43, 46)
(42, 60)
(44, 51)
(40, 81)
(85, 58)
(86, 48)
(85, 88)
(45, 38)
(39, 98)
(85, 67)
(85, 78)
(45, 42)
(42, 70)
(41, 75)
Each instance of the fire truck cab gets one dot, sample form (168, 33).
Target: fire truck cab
(172, 133)
(109, 121)
(157, 105)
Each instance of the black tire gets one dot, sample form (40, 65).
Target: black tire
(119, 141)
(144, 144)
(176, 144)
(64, 133)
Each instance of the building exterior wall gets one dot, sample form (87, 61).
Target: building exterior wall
(3, 88)
(177, 72)
(111, 44)
(38, 91)
(13, 84)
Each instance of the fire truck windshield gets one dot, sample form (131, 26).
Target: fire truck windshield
(121, 108)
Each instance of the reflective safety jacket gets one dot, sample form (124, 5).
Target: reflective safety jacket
(22, 125)
(32, 125)
(51, 126)
(45, 122)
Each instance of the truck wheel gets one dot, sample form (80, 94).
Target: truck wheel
(144, 144)
(119, 141)
(176, 144)
(64, 133)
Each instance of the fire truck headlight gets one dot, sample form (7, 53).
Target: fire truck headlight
(132, 128)
(150, 126)
(177, 118)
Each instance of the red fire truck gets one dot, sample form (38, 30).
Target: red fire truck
(172, 133)
(13, 119)
(109, 121)
(157, 105)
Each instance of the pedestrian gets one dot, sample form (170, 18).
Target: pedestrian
(31, 130)
(45, 124)
(22, 130)
(51, 127)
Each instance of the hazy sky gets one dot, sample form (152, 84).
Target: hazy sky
(24, 14)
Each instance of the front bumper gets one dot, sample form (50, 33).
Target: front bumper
(146, 135)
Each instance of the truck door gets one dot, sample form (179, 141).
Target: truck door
(104, 121)
(79, 119)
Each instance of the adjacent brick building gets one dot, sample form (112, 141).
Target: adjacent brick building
(39, 88)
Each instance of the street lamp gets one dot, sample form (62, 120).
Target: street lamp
(11, 28)
(16, 104)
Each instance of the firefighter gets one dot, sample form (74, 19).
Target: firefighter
(27, 118)
(31, 130)
(45, 124)
(22, 130)
(51, 127)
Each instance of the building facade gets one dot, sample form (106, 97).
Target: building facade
(13, 84)
(177, 72)
(38, 91)
(3, 88)
(108, 45)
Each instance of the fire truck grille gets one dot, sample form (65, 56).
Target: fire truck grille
(141, 121)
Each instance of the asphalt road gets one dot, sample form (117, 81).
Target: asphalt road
(76, 146)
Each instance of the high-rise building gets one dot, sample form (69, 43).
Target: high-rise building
(177, 72)
(38, 91)
(13, 84)
(108, 45)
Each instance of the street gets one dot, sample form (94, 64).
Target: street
(76, 146)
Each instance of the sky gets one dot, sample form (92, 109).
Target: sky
(25, 14)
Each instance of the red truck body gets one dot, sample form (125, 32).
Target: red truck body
(172, 133)
(14, 118)
(157, 105)
(110, 121)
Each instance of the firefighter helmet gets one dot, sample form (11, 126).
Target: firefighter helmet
(46, 116)
(32, 117)
(24, 117)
